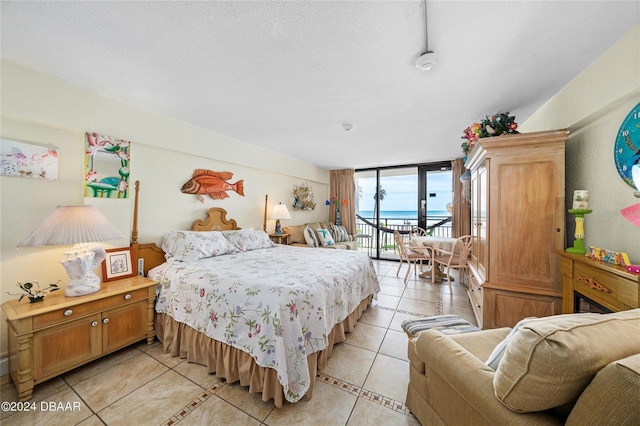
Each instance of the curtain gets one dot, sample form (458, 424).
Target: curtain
(461, 216)
(342, 186)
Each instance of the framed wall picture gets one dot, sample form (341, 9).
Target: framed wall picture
(107, 165)
(20, 159)
(117, 265)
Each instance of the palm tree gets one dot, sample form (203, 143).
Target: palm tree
(378, 196)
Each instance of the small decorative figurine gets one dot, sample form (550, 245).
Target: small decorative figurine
(35, 294)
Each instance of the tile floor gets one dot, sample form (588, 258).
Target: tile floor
(364, 382)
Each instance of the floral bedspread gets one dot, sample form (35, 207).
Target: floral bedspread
(277, 304)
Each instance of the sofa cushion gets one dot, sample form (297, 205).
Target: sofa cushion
(549, 363)
(296, 234)
(351, 245)
(480, 344)
(611, 397)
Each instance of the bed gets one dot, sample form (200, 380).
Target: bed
(258, 313)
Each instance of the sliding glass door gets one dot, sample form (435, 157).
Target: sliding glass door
(436, 198)
(387, 201)
(397, 198)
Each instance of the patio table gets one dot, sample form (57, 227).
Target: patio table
(429, 245)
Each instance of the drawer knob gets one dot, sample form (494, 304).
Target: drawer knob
(105, 321)
(127, 296)
(68, 312)
(94, 323)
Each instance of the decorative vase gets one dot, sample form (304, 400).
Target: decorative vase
(338, 220)
(79, 266)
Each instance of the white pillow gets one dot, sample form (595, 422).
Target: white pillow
(310, 237)
(498, 352)
(195, 245)
(325, 237)
(249, 239)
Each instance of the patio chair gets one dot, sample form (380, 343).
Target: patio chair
(416, 231)
(457, 258)
(410, 256)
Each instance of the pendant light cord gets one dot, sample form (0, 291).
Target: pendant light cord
(426, 32)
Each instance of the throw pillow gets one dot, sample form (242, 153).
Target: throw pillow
(325, 237)
(296, 234)
(310, 237)
(498, 352)
(340, 233)
(549, 363)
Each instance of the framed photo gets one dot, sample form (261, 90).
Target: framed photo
(117, 265)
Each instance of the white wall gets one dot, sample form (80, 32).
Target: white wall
(592, 106)
(164, 153)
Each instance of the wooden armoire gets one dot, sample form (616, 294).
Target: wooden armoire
(517, 224)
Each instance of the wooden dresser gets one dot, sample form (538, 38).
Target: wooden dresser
(517, 224)
(609, 286)
(51, 337)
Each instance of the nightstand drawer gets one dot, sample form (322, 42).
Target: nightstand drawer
(77, 311)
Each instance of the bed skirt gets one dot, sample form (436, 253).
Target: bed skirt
(235, 365)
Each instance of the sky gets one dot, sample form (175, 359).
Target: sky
(402, 192)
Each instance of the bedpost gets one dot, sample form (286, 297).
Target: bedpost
(264, 225)
(134, 230)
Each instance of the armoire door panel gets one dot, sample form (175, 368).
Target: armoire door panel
(524, 207)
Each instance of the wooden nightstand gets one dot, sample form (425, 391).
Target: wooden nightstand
(277, 238)
(60, 333)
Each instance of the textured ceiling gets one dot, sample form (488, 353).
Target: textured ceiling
(286, 75)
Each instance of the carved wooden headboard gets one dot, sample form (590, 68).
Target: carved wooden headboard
(216, 221)
(153, 255)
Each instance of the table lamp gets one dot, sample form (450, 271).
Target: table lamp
(279, 212)
(77, 225)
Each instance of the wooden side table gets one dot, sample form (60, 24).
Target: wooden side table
(278, 238)
(60, 333)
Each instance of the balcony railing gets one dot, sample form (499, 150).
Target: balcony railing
(366, 230)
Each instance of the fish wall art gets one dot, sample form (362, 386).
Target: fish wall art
(214, 184)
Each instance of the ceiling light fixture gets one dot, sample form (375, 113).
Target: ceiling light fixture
(426, 61)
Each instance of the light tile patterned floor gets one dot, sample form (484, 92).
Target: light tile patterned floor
(364, 382)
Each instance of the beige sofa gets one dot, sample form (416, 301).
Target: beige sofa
(579, 369)
(296, 236)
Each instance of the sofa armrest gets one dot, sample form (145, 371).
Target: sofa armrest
(470, 379)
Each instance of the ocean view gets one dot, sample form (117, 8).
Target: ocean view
(406, 217)
(403, 214)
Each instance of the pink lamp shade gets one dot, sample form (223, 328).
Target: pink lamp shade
(76, 225)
